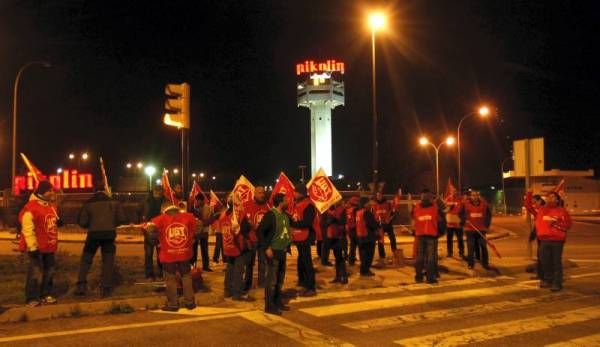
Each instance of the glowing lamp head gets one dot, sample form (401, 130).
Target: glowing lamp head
(84, 156)
(450, 141)
(150, 170)
(71, 156)
(376, 21)
(128, 165)
(140, 165)
(423, 141)
(484, 111)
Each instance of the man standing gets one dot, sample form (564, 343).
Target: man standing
(303, 235)
(152, 209)
(351, 228)
(255, 210)
(274, 239)
(383, 215)
(453, 206)
(366, 233)
(476, 219)
(333, 223)
(39, 237)
(175, 230)
(100, 215)
(206, 217)
(429, 224)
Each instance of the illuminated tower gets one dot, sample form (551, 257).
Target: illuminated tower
(321, 89)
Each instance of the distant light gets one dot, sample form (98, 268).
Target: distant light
(71, 156)
(140, 165)
(376, 21)
(59, 170)
(484, 111)
(84, 156)
(202, 174)
(358, 183)
(150, 170)
(128, 165)
(492, 187)
(193, 175)
(277, 180)
(348, 186)
(214, 178)
(175, 171)
(340, 176)
(158, 181)
(423, 141)
(450, 141)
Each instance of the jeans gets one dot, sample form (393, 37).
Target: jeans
(306, 271)
(249, 269)
(459, 240)
(551, 253)
(108, 250)
(274, 280)
(426, 258)
(40, 270)
(353, 246)
(367, 252)
(262, 267)
(474, 242)
(203, 243)
(218, 248)
(171, 269)
(340, 263)
(149, 247)
(325, 250)
(234, 274)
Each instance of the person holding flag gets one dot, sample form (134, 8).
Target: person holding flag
(383, 213)
(453, 204)
(303, 224)
(475, 219)
(39, 238)
(333, 223)
(255, 209)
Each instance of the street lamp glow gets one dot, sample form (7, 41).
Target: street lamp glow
(340, 176)
(71, 156)
(193, 175)
(376, 21)
(214, 178)
(158, 181)
(423, 141)
(150, 170)
(129, 165)
(450, 141)
(175, 171)
(84, 156)
(484, 111)
(202, 174)
(140, 165)
(59, 170)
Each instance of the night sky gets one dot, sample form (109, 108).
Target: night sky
(532, 60)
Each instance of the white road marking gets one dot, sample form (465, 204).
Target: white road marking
(593, 274)
(495, 331)
(585, 341)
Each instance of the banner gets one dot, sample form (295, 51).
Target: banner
(104, 178)
(283, 186)
(215, 202)
(322, 192)
(35, 172)
(167, 190)
(244, 189)
(450, 188)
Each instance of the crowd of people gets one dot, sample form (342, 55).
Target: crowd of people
(260, 233)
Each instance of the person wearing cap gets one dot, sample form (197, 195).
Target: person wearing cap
(151, 209)
(304, 223)
(100, 215)
(39, 237)
(175, 231)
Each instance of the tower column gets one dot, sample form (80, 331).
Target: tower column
(320, 135)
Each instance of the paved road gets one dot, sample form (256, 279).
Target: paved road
(502, 311)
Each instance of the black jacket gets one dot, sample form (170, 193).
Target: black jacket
(101, 215)
(372, 226)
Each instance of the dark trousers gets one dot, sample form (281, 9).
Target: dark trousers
(249, 269)
(40, 270)
(475, 241)
(459, 240)
(426, 257)
(306, 271)
(234, 274)
(203, 243)
(218, 248)
(108, 250)
(540, 268)
(551, 253)
(319, 248)
(340, 263)
(353, 247)
(345, 247)
(325, 250)
(274, 281)
(171, 270)
(262, 267)
(149, 247)
(367, 252)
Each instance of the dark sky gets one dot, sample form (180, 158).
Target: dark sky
(533, 60)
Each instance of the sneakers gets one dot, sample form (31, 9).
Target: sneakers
(191, 306)
(49, 300)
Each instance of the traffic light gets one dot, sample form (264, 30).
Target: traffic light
(177, 105)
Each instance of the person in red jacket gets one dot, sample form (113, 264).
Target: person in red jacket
(333, 223)
(382, 209)
(476, 218)
(175, 231)
(453, 204)
(304, 233)
(366, 234)
(551, 223)
(39, 237)
(255, 210)
(351, 228)
(429, 225)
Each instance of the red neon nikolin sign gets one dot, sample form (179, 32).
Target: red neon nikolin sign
(68, 179)
(309, 66)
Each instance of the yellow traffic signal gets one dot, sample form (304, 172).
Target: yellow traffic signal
(177, 105)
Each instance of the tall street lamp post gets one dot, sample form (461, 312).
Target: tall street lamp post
(503, 188)
(376, 23)
(423, 141)
(14, 125)
(483, 112)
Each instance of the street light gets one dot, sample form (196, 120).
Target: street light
(376, 21)
(150, 171)
(128, 165)
(140, 165)
(71, 156)
(423, 141)
(84, 156)
(483, 112)
(175, 171)
(14, 125)
(503, 188)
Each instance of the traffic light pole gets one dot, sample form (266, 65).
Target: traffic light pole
(185, 159)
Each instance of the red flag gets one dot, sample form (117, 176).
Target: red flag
(489, 243)
(104, 178)
(283, 186)
(322, 192)
(167, 190)
(560, 188)
(450, 188)
(195, 191)
(214, 201)
(35, 172)
(244, 189)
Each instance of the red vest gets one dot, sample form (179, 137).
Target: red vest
(336, 231)
(176, 236)
(254, 213)
(383, 212)
(426, 220)
(45, 226)
(361, 226)
(350, 219)
(232, 241)
(452, 217)
(475, 215)
(299, 235)
(551, 223)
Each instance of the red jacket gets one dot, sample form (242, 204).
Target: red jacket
(176, 236)
(234, 241)
(426, 220)
(551, 222)
(453, 214)
(44, 227)
(300, 234)
(335, 223)
(254, 213)
(475, 216)
(383, 212)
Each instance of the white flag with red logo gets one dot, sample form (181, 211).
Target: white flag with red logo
(283, 186)
(322, 192)
(244, 189)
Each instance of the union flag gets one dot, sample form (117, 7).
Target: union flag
(193, 192)
(35, 172)
(167, 190)
(244, 189)
(560, 188)
(450, 188)
(283, 186)
(322, 192)
(214, 201)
